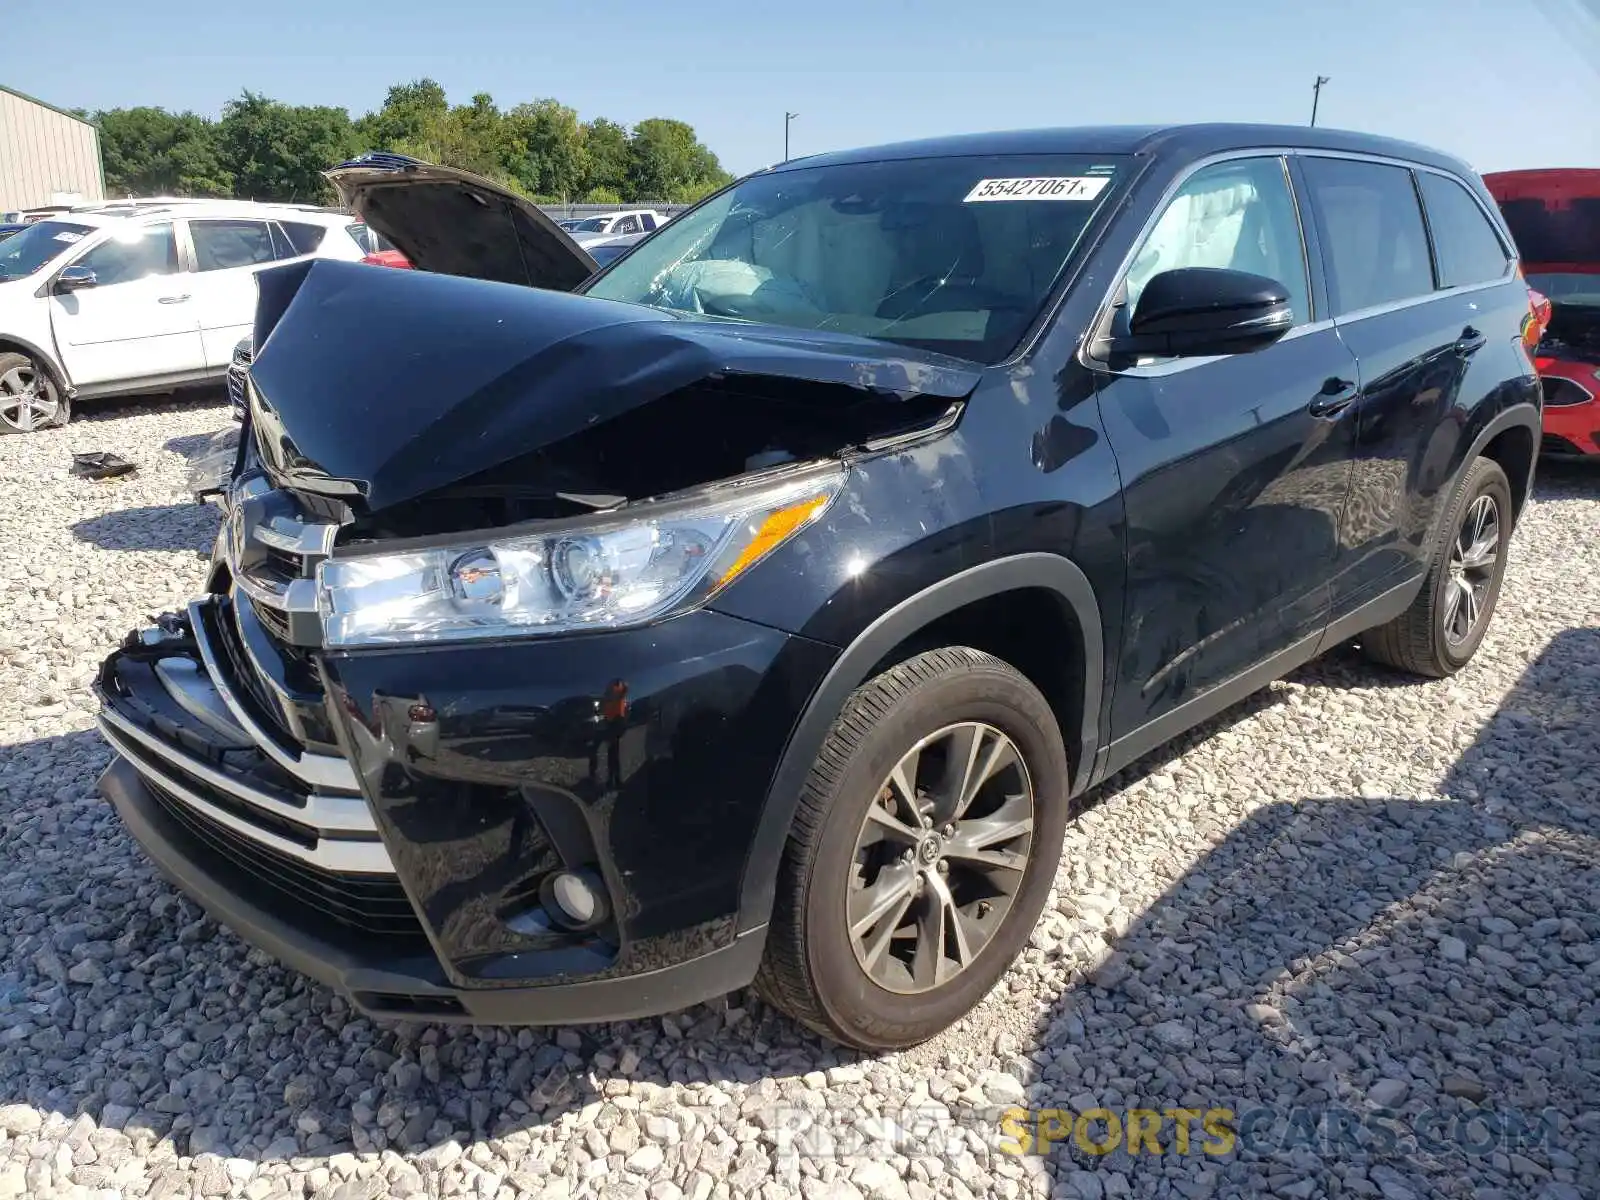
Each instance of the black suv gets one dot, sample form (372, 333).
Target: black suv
(755, 609)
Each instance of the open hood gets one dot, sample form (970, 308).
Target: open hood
(1554, 216)
(380, 388)
(1574, 330)
(455, 223)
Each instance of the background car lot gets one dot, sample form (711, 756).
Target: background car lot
(1352, 889)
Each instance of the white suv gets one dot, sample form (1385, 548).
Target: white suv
(141, 296)
(615, 224)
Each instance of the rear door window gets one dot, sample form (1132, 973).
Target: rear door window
(223, 245)
(1464, 241)
(1374, 244)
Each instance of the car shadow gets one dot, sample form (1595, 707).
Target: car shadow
(186, 444)
(191, 526)
(1344, 954)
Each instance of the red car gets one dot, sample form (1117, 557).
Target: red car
(380, 253)
(1555, 217)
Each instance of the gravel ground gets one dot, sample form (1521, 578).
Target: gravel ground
(1353, 893)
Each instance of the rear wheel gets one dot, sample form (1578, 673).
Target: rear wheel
(925, 844)
(29, 397)
(1441, 631)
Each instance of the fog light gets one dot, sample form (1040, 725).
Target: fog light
(575, 900)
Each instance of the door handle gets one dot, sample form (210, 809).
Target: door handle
(1469, 341)
(173, 299)
(1336, 396)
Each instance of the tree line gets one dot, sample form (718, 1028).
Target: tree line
(262, 149)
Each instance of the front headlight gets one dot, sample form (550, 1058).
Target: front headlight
(623, 568)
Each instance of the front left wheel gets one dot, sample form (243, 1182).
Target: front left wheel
(925, 844)
(29, 397)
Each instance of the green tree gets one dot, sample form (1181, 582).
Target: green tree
(605, 145)
(410, 114)
(546, 145)
(279, 151)
(602, 195)
(151, 152)
(667, 161)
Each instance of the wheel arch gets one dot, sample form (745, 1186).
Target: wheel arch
(11, 344)
(1038, 579)
(1514, 445)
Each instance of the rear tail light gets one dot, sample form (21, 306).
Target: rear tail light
(1537, 320)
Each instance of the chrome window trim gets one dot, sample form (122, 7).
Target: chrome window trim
(318, 770)
(1174, 366)
(1422, 207)
(1377, 310)
(1161, 368)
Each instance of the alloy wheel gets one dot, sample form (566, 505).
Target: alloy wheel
(940, 857)
(27, 399)
(1472, 566)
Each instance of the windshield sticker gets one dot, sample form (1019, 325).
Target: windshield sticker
(69, 236)
(1061, 187)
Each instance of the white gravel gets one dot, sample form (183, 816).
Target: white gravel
(1353, 891)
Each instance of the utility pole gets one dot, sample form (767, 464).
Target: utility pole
(787, 117)
(1316, 95)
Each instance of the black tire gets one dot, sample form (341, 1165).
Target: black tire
(810, 969)
(1418, 640)
(53, 408)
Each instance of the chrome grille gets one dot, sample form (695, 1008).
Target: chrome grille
(316, 770)
(272, 548)
(243, 672)
(304, 807)
(238, 369)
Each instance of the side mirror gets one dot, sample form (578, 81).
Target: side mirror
(1198, 311)
(75, 279)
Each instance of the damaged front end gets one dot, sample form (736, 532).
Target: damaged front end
(559, 395)
(549, 488)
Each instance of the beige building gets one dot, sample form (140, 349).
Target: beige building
(47, 155)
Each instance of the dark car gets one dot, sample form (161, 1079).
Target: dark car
(756, 609)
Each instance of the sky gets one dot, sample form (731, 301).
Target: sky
(1501, 83)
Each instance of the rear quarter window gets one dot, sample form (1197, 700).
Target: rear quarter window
(304, 237)
(1374, 244)
(1468, 248)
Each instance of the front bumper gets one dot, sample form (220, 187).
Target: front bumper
(399, 987)
(398, 853)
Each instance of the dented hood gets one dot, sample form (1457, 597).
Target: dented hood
(383, 386)
(457, 223)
